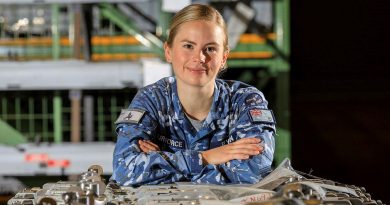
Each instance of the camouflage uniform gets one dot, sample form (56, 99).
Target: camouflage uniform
(238, 111)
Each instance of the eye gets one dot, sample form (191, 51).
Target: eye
(188, 46)
(210, 49)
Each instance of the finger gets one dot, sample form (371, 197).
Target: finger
(261, 148)
(240, 156)
(150, 144)
(245, 152)
(145, 144)
(143, 148)
(149, 147)
(140, 143)
(254, 147)
(247, 141)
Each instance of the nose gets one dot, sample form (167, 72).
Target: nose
(200, 56)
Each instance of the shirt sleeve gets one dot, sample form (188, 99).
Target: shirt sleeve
(133, 167)
(256, 167)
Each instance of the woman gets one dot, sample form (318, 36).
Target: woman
(195, 127)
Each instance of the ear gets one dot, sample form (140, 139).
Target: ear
(225, 57)
(167, 52)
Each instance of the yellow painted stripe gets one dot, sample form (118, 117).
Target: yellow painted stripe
(135, 56)
(121, 56)
(254, 38)
(29, 58)
(258, 54)
(114, 40)
(66, 41)
(109, 40)
(32, 42)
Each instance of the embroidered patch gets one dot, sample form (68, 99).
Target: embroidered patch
(171, 142)
(262, 115)
(130, 116)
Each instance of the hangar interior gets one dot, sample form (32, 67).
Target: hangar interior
(68, 68)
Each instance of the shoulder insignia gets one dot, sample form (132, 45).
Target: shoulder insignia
(262, 115)
(130, 116)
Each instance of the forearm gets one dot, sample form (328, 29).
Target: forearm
(133, 167)
(241, 170)
(140, 168)
(255, 168)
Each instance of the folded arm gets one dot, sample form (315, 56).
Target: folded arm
(248, 161)
(132, 166)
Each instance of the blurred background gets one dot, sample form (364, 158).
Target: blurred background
(67, 68)
(340, 89)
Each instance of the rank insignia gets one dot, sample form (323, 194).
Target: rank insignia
(130, 116)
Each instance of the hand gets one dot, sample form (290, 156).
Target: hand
(241, 149)
(147, 146)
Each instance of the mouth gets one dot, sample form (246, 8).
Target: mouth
(197, 70)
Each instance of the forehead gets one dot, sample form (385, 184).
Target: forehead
(200, 30)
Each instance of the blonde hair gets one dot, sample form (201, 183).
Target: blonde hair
(196, 12)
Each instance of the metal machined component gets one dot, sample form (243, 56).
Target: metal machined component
(283, 186)
(96, 168)
(97, 188)
(47, 201)
(101, 200)
(69, 197)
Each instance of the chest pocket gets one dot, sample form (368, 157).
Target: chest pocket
(169, 144)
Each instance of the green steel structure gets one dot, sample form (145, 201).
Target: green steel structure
(46, 117)
(55, 31)
(13, 136)
(128, 26)
(282, 26)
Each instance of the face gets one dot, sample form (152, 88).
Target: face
(197, 53)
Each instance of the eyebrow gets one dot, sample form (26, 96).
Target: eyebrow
(191, 42)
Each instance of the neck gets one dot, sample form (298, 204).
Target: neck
(196, 101)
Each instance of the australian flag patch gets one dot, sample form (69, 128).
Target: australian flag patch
(262, 115)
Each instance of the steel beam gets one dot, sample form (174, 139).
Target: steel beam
(55, 12)
(9, 135)
(145, 38)
(57, 118)
(89, 119)
(282, 26)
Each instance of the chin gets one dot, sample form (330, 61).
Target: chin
(200, 83)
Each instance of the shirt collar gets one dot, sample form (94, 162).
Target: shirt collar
(213, 115)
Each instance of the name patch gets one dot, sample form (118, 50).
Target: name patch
(262, 115)
(130, 116)
(171, 142)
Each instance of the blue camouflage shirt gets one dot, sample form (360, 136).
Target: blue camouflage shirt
(238, 111)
